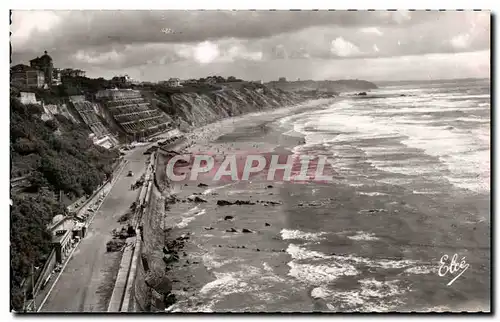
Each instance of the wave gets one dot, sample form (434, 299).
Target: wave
(461, 152)
(297, 234)
(190, 216)
(360, 235)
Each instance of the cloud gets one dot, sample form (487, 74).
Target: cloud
(98, 27)
(206, 52)
(343, 48)
(110, 41)
(98, 58)
(461, 41)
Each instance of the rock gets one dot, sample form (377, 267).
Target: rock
(243, 246)
(232, 230)
(208, 228)
(362, 94)
(258, 250)
(194, 198)
(300, 204)
(170, 300)
(244, 230)
(169, 258)
(201, 185)
(199, 199)
(376, 210)
(223, 203)
(171, 199)
(165, 250)
(243, 202)
(228, 217)
(271, 202)
(160, 284)
(115, 245)
(267, 224)
(185, 289)
(270, 187)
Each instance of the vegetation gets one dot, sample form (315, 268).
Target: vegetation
(30, 241)
(57, 155)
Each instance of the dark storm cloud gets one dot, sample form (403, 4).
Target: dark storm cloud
(97, 28)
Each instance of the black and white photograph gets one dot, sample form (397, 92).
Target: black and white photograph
(250, 161)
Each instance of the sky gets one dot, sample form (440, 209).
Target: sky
(259, 45)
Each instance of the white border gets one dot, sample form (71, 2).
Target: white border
(185, 4)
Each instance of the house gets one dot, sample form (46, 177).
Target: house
(70, 72)
(124, 80)
(44, 64)
(24, 75)
(28, 98)
(282, 79)
(174, 82)
(56, 76)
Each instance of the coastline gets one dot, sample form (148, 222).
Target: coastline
(313, 237)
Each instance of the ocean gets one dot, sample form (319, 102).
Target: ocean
(411, 164)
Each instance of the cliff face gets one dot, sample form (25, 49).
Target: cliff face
(196, 109)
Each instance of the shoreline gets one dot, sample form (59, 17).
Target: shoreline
(314, 237)
(209, 132)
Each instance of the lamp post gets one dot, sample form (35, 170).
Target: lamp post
(33, 291)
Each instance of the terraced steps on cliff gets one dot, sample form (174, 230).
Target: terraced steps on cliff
(135, 115)
(87, 112)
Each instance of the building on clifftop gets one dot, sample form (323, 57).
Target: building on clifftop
(27, 76)
(44, 64)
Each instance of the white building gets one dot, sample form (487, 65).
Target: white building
(174, 82)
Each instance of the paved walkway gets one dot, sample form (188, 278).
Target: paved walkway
(87, 281)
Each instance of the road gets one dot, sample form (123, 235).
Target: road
(86, 284)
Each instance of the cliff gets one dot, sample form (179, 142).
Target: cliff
(200, 108)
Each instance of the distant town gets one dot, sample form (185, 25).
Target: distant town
(41, 73)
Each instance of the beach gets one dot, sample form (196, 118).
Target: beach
(373, 239)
